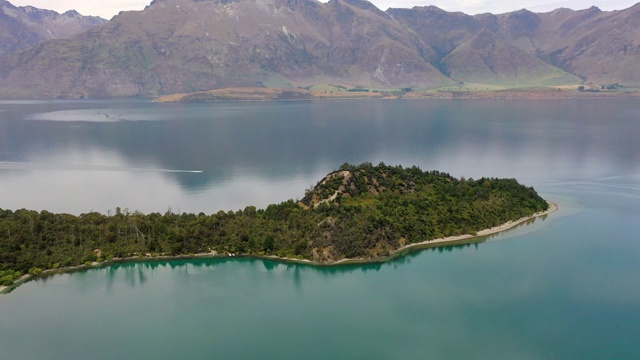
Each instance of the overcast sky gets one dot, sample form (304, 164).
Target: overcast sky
(108, 8)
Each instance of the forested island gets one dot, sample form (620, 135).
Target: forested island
(356, 212)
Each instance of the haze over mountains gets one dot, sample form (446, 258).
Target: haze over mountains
(189, 45)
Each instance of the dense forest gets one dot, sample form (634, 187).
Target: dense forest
(362, 211)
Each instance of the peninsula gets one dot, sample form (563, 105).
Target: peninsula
(363, 213)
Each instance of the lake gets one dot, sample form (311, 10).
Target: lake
(566, 286)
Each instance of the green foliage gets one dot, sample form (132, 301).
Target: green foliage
(6, 280)
(376, 207)
(35, 271)
(8, 277)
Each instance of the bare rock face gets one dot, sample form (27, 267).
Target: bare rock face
(23, 27)
(182, 46)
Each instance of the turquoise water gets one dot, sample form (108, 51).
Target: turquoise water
(567, 286)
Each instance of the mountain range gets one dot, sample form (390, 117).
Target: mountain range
(181, 46)
(26, 26)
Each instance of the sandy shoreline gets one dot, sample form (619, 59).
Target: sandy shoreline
(16, 283)
(451, 240)
(494, 230)
(428, 243)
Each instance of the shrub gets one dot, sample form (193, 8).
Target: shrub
(7, 280)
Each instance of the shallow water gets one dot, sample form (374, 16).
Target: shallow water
(567, 286)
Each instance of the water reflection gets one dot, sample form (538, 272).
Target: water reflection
(566, 289)
(261, 153)
(136, 274)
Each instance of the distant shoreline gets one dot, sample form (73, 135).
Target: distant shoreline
(451, 240)
(275, 94)
(297, 94)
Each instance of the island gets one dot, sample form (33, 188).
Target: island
(356, 213)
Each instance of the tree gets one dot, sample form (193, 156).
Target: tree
(269, 241)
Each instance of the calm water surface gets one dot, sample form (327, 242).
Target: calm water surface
(564, 287)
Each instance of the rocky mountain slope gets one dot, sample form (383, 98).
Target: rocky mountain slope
(179, 46)
(600, 47)
(523, 47)
(23, 27)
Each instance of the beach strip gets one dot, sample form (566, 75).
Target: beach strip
(494, 230)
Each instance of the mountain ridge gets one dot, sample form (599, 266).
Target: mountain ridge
(22, 27)
(182, 46)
